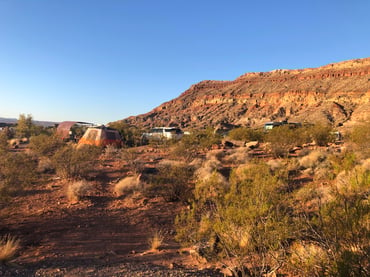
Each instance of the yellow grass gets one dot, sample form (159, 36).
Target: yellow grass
(156, 241)
(8, 248)
(77, 189)
(127, 185)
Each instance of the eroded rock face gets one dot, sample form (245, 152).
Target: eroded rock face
(335, 93)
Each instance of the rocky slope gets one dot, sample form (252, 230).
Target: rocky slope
(336, 93)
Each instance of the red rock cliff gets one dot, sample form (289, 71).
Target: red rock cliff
(334, 93)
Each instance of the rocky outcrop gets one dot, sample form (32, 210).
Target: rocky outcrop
(335, 93)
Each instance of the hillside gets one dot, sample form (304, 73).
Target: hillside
(335, 93)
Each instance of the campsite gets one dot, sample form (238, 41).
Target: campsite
(101, 209)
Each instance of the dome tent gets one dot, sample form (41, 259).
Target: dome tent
(101, 136)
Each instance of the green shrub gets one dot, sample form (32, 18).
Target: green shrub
(17, 171)
(72, 162)
(45, 145)
(173, 182)
(3, 141)
(282, 139)
(131, 135)
(246, 134)
(25, 127)
(321, 134)
(340, 225)
(130, 159)
(360, 138)
(198, 141)
(245, 224)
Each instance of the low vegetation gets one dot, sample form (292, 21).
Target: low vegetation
(304, 213)
(191, 145)
(76, 190)
(17, 171)
(73, 162)
(9, 247)
(156, 240)
(128, 185)
(172, 182)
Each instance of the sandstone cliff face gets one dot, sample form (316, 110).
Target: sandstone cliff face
(335, 93)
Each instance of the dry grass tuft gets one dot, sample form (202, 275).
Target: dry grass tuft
(8, 248)
(275, 164)
(239, 156)
(310, 259)
(209, 167)
(312, 160)
(156, 241)
(77, 189)
(128, 185)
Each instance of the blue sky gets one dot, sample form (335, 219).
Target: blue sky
(101, 61)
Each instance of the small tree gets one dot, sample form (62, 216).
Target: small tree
(246, 134)
(25, 126)
(282, 139)
(131, 135)
(321, 134)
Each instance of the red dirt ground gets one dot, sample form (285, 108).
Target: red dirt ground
(100, 229)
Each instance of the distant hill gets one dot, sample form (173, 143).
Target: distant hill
(36, 122)
(336, 93)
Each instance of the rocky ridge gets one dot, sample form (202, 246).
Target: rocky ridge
(336, 93)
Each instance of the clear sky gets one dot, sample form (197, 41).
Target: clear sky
(105, 60)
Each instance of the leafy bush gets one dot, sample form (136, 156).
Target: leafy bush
(190, 145)
(282, 139)
(130, 158)
(131, 135)
(245, 221)
(26, 128)
(339, 226)
(45, 145)
(321, 134)
(73, 162)
(3, 141)
(173, 182)
(360, 138)
(17, 170)
(246, 134)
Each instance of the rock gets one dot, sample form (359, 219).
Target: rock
(252, 144)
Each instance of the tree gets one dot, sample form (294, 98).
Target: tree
(283, 138)
(25, 126)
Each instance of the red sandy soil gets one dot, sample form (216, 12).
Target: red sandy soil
(60, 238)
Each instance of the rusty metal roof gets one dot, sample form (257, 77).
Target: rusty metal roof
(65, 126)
